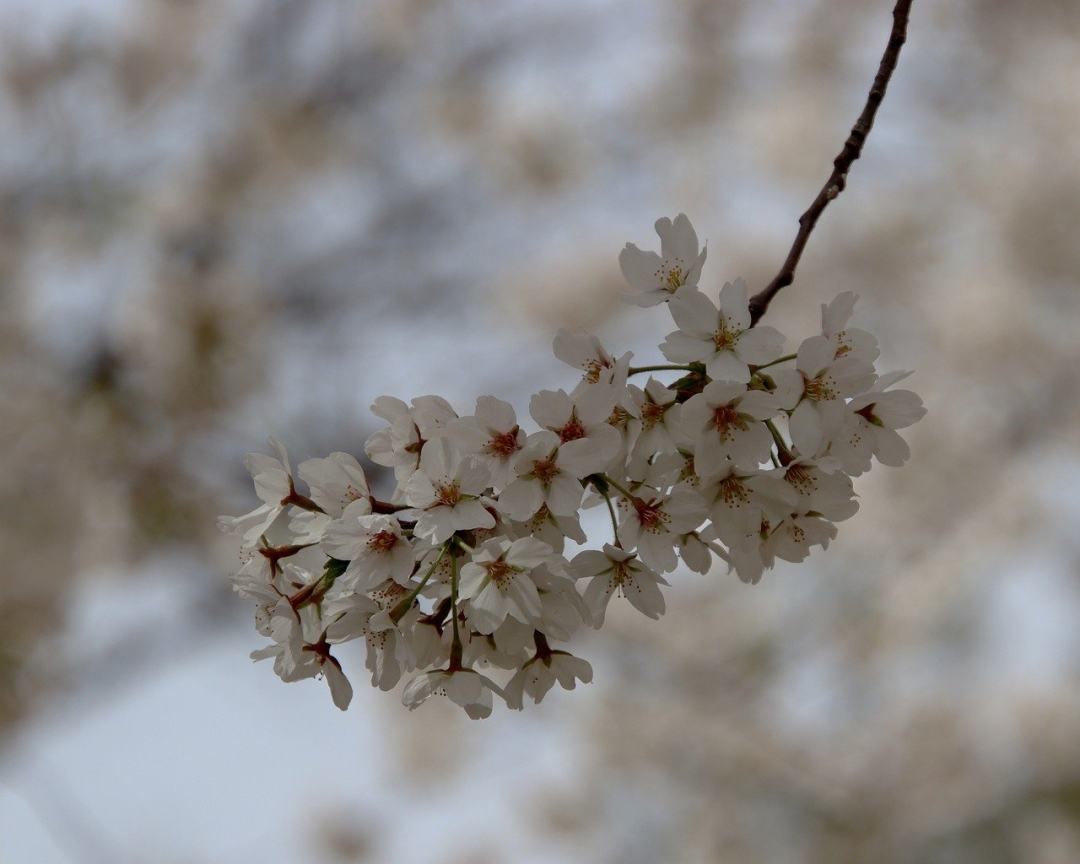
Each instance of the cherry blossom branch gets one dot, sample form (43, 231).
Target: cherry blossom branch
(841, 164)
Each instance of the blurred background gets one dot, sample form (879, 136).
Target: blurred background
(221, 219)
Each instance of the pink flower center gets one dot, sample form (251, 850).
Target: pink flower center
(503, 444)
(545, 470)
(448, 495)
(651, 516)
(500, 573)
(733, 492)
(652, 413)
(573, 430)
(727, 420)
(382, 542)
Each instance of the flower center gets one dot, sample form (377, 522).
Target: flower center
(500, 573)
(651, 516)
(733, 492)
(448, 495)
(351, 494)
(800, 477)
(503, 444)
(382, 542)
(593, 368)
(843, 345)
(820, 389)
(725, 339)
(687, 472)
(539, 519)
(388, 594)
(673, 276)
(573, 430)
(728, 420)
(652, 413)
(545, 470)
(619, 416)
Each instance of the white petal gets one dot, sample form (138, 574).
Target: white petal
(340, 688)
(521, 499)
(815, 355)
(680, 347)
(694, 313)
(734, 303)
(806, 430)
(564, 496)
(725, 366)
(760, 345)
(639, 268)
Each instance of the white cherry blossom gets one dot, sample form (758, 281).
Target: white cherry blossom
(737, 500)
(847, 341)
(446, 491)
(300, 651)
(724, 422)
(493, 434)
(587, 440)
(657, 419)
(582, 350)
(815, 391)
(721, 338)
(657, 278)
(551, 529)
(792, 538)
(373, 544)
(616, 570)
(357, 616)
(870, 424)
(497, 582)
(464, 687)
(539, 675)
(273, 484)
(543, 479)
(654, 522)
(828, 492)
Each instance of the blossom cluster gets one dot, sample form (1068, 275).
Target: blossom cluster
(462, 579)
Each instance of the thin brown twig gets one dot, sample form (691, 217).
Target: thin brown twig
(841, 164)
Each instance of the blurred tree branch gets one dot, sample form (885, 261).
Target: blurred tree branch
(841, 164)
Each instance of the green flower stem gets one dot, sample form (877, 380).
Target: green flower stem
(783, 359)
(455, 648)
(405, 603)
(785, 451)
(637, 370)
(614, 521)
(622, 489)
